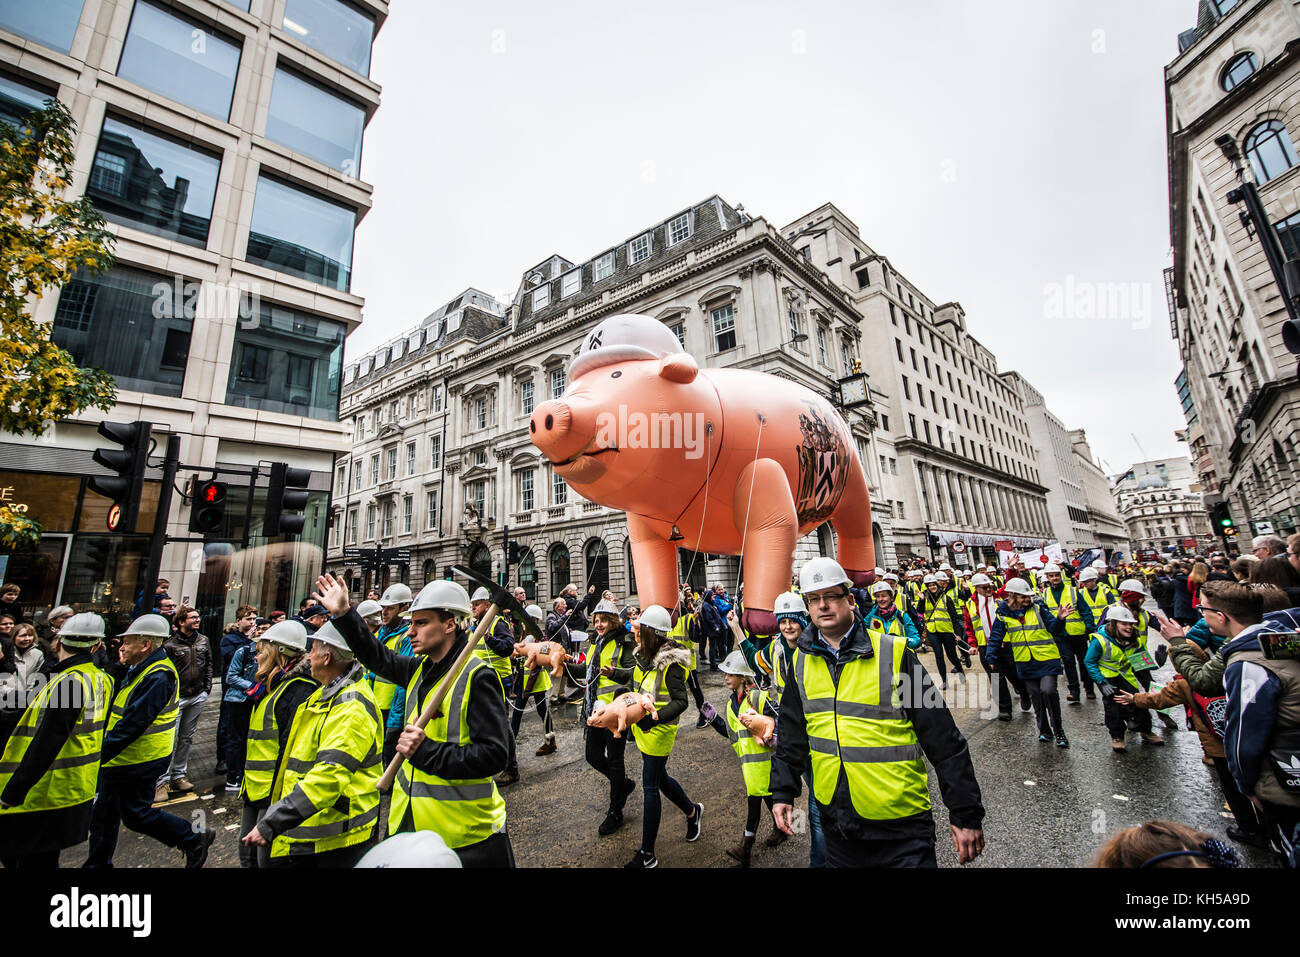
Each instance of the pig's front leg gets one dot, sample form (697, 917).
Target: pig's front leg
(655, 560)
(854, 548)
(767, 520)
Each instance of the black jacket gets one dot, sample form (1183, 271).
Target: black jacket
(149, 698)
(485, 754)
(192, 656)
(937, 733)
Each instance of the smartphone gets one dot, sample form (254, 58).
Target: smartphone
(1280, 645)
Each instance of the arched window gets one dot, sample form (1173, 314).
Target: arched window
(528, 576)
(480, 559)
(826, 540)
(559, 562)
(430, 571)
(1238, 68)
(597, 560)
(631, 571)
(1270, 151)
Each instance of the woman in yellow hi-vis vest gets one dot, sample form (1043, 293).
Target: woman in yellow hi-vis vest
(1023, 622)
(660, 672)
(612, 649)
(50, 763)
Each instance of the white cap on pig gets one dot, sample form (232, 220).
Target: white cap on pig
(623, 337)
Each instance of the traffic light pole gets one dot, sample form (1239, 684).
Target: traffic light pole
(171, 463)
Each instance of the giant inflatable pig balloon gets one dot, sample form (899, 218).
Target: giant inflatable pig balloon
(740, 462)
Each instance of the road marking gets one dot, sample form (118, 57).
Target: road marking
(1119, 797)
(1031, 783)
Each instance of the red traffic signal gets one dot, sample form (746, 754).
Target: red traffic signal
(208, 512)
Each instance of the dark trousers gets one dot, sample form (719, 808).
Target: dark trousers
(945, 643)
(655, 778)
(521, 705)
(512, 760)
(693, 684)
(903, 852)
(250, 815)
(755, 810)
(1074, 648)
(344, 858)
(223, 731)
(1007, 672)
(1119, 717)
(495, 851)
(1047, 704)
(238, 714)
(1238, 803)
(605, 754)
(126, 797)
(1002, 691)
(390, 744)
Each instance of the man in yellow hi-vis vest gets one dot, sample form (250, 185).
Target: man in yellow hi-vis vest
(862, 710)
(138, 748)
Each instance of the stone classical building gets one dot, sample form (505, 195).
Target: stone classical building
(441, 461)
(1233, 104)
(222, 141)
(1108, 529)
(1162, 507)
(961, 464)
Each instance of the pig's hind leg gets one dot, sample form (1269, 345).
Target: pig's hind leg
(770, 526)
(855, 550)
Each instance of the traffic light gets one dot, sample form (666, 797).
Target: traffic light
(286, 500)
(208, 508)
(128, 462)
(935, 542)
(513, 554)
(1222, 521)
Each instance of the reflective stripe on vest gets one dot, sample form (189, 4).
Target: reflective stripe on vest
(263, 752)
(70, 779)
(158, 739)
(1114, 661)
(461, 811)
(499, 664)
(857, 728)
(976, 623)
(1029, 640)
(333, 820)
(1098, 600)
(755, 758)
(935, 609)
(386, 691)
(607, 657)
(1069, 596)
(659, 740)
(681, 634)
(894, 627)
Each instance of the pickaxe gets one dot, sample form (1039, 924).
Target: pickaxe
(501, 600)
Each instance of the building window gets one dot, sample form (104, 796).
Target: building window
(478, 495)
(315, 122)
(559, 382)
(132, 324)
(435, 452)
(638, 250)
(408, 513)
(352, 527)
(559, 561)
(796, 319)
(541, 296)
(388, 519)
(864, 280)
(374, 470)
(252, 364)
(480, 412)
(304, 359)
(570, 283)
(806, 252)
(410, 458)
(357, 474)
(1288, 233)
(479, 457)
(301, 234)
(884, 422)
(370, 523)
(526, 396)
(179, 58)
(153, 183)
(724, 328)
(19, 100)
(526, 490)
(338, 30)
(911, 424)
(559, 490)
(1270, 151)
(431, 509)
(679, 229)
(603, 268)
(341, 485)
(52, 23)
(1238, 68)
(821, 346)
(527, 576)
(679, 330)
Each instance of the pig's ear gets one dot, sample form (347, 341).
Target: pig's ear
(679, 367)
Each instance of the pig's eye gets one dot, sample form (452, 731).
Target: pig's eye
(615, 375)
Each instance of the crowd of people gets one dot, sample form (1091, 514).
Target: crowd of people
(97, 729)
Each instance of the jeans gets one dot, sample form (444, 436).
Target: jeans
(223, 731)
(239, 715)
(817, 852)
(654, 778)
(126, 796)
(188, 721)
(1047, 704)
(1074, 648)
(901, 852)
(605, 754)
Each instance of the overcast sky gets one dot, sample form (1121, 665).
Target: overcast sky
(1006, 155)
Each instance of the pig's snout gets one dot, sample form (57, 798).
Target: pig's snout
(551, 430)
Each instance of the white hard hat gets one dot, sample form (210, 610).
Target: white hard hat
(412, 849)
(289, 634)
(656, 617)
(1088, 575)
(329, 635)
(605, 607)
(945, 567)
(1098, 564)
(1051, 568)
(819, 574)
(369, 608)
(397, 594)
(534, 612)
(878, 572)
(442, 595)
(941, 577)
(155, 626)
(481, 594)
(735, 664)
(929, 580)
(1120, 612)
(878, 587)
(81, 631)
(1018, 586)
(981, 579)
(789, 603)
(1132, 584)
(891, 577)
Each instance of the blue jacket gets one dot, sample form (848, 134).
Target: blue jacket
(150, 697)
(1201, 634)
(1031, 668)
(397, 713)
(712, 622)
(723, 604)
(1182, 598)
(231, 642)
(1251, 713)
(880, 622)
(241, 675)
